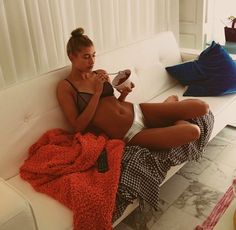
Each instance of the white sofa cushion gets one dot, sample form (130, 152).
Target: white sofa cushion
(27, 110)
(15, 210)
(49, 213)
(161, 48)
(154, 80)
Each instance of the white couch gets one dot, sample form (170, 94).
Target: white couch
(30, 108)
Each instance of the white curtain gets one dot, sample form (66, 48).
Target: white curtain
(34, 32)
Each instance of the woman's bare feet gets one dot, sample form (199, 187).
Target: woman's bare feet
(172, 98)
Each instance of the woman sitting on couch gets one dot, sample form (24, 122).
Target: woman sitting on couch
(87, 100)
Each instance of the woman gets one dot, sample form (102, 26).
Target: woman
(88, 102)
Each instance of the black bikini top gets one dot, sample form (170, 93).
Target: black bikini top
(83, 98)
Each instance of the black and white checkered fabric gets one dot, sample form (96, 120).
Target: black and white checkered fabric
(142, 171)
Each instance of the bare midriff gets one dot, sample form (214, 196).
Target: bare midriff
(113, 116)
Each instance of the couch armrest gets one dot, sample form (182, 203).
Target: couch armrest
(15, 211)
(189, 54)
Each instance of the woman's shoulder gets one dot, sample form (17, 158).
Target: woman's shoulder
(63, 85)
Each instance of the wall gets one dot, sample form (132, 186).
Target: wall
(222, 10)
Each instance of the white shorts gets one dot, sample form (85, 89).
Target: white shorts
(138, 123)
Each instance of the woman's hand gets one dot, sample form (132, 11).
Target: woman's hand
(100, 78)
(125, 91)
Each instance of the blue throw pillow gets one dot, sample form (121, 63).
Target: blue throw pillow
(213, 74)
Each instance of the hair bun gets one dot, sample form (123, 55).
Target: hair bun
(77, 32)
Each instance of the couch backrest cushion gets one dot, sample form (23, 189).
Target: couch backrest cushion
(27, 110)
(161, 50)
(30, 108)
(154, 81)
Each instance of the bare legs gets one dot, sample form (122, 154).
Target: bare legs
(165, 114)
(167, 125)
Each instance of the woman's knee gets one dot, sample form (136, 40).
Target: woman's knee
(194, 132)
(204, 107)
(201, 107)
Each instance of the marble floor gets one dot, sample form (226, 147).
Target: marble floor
(190, 195)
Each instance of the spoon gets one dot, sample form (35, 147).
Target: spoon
(119, 72)
(113, 73)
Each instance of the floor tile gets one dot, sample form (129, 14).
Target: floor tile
(142, 219)
(228, 156)
(175, 219)
(192, 170)
(122, 226)
(214, 148)
(178, 184)
(198, 200)
(228, 133)
(218, 176)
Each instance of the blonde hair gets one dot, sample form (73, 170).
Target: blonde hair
(77, 41)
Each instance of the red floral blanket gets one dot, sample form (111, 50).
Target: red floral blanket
(64, 167)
